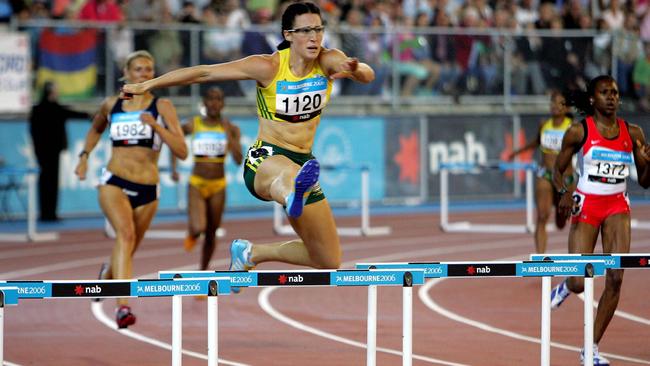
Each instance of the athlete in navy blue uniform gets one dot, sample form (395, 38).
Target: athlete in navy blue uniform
(128, 190)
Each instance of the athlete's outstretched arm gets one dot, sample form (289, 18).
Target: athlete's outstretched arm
(570, 144)
(532, 144)
(641, 155)
(338, 66)
(256, 67)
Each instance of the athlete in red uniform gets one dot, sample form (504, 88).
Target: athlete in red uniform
(607, 147)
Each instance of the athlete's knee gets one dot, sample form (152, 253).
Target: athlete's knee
(328, 261)
(614, 280)
(575, 284)
(542, 216)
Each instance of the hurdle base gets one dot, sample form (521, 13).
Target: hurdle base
(24, 237)
(641, 225)
(342, 231)
(161, 234)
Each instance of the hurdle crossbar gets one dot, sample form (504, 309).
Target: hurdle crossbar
(466, 226)
(31, 234)
(365, 229)
(175, 288)
(370, 278)
(545, 269)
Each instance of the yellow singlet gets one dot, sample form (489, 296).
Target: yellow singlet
(208, 142)
(293, 99)
(551, 136)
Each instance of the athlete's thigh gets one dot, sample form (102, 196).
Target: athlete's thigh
(582, 238)
(270, 170)
(543, 196)
(196, 207)
(216, 204)
(143, 215)
(317, 229)
(617, 233)
(116, 207)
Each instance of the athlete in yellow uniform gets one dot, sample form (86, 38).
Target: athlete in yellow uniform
(213, 137)
(549, 140)
(293, 88)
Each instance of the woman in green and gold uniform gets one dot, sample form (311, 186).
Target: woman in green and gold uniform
(213, 137)
(293, 88)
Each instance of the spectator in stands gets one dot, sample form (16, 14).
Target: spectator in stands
(629, 49)
(47, 128)
(443, 52)
(102, 11)
(641, 78)
(363, 45)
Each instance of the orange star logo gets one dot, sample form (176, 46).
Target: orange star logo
(524, 157)
(408, 158)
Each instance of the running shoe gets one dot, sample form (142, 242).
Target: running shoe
(559, 294)
(124, 317)
(189, 243)
(599, 360)
(240, 258)
(305, 180)
(103, 270)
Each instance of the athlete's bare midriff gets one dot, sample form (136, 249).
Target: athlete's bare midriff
(136, 164)
(297, 137)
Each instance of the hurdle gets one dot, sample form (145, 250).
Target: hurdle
(365, 229)
(466, 226)
(545, 269)
(32, 233)
(370, 278)
(611, 261)
(175, 288)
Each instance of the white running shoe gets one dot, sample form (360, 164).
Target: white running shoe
(559, 294)
(598, 359)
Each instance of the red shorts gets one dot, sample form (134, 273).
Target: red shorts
(594, 209)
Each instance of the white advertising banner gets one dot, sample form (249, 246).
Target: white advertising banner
(15, 72)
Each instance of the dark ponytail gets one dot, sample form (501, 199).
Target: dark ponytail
(290, 14)
(581, 99)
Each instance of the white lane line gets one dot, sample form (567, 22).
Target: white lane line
(423, 294)
(99, 314)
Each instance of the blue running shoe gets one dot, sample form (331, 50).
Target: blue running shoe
(559, 294)
(598, 359)
(240, 258)
(305, 180)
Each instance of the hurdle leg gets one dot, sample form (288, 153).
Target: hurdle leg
(546, 322)
(371, 349)
(177, 330)
(407, 320)
(589, 321)
(213, 334)
(2, 327)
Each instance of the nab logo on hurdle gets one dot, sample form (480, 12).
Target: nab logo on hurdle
(284, 279)
(81, 290)
(471, 270)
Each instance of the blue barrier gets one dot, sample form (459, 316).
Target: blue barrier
(116, 288)
(614, 260)
(306, 277)
(9, 295)
(496, 269)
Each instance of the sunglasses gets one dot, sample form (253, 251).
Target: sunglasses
(308, 30)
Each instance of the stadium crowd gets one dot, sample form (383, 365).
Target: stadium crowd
(445, 59)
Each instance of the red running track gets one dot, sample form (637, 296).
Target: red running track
(456, 321)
